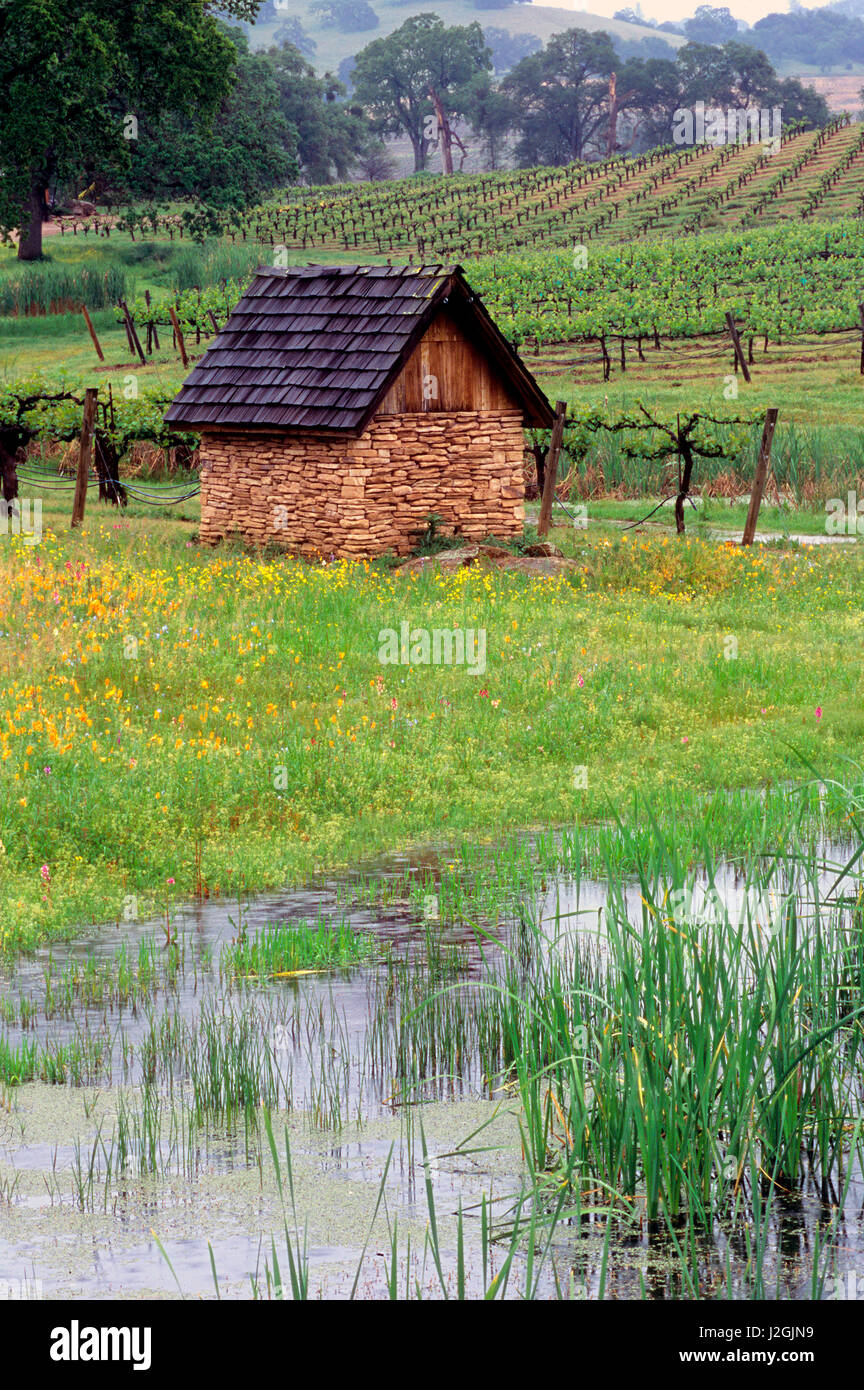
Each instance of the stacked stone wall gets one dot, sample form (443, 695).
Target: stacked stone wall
(360, 497)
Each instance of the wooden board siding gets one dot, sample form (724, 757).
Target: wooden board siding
(455, 373)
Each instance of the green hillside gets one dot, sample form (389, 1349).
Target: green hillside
(542, 20)
(669, 192)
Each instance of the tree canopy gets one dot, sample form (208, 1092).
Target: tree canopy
(417, 79)
(562, 95)
(825, 37)
(564, 109)
(251, 149)
(509, 49)
(77, 76)
(332, 134)
(711, 24)
(348, 16)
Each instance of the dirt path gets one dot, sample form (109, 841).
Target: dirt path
(53, 227)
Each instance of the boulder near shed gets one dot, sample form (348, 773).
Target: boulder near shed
(341, 406)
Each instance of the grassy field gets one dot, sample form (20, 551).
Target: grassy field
(815, 384)
(54, 344)
(181, 721)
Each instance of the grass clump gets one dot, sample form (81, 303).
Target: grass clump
(53, 289)
(288, 948)
(214, 263)
(705, 1054)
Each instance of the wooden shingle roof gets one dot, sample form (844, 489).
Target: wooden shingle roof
(317, 348)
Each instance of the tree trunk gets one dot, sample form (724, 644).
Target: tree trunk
(9, 444)
(418, 144)
(107, 464)
(444, 132)
(540, 463)
(684, 487)
(613, 117)
(30, 239)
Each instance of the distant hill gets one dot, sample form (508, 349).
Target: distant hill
(542, 20)
(841, 91)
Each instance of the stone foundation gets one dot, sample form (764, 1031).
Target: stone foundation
(358, 497)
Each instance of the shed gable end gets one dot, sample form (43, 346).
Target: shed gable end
(447, 371)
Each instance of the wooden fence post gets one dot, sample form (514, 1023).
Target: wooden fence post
(132, 332)
(178, 333)
(85, 454)
(736, 343)
(861, 320)
(152, 330)
(550, 469)
(89, 323)
(126, 326)
(761, 477)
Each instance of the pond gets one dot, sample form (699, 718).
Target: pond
(174, 1122)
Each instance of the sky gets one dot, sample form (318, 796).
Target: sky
(660, 10)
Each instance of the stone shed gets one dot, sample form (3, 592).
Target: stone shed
(341, 406)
